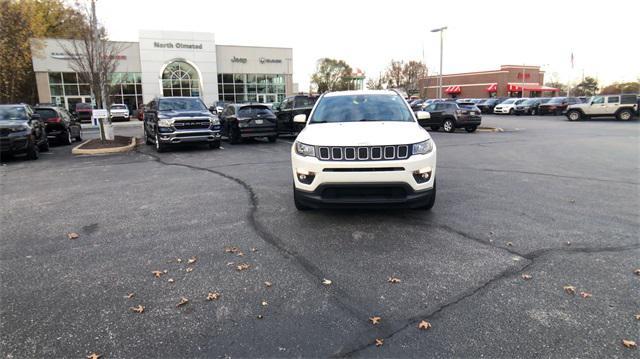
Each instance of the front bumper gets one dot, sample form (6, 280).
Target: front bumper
(15, 143)
(330, 195)
(359, 172)
(501, 110)
(200, 135)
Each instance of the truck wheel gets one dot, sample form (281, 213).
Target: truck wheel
(511, 111)
(33, 152)
(65, 137)
(272, 138)
(533, 112)
(431, 200)
(147, 139)
(449, 126)
(79, 136)
(160, 147)
(624, 115)
(471, 129)
(574, 115)
(435, 128)
(214, 144)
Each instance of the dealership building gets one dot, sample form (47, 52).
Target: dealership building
(169, 63)
(508, 81)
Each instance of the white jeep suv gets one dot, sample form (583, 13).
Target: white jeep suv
(362, 148)
(623, 107)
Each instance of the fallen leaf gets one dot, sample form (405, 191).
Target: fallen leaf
(629, 344)
(568, 243)
(526, 276)
(572, 201)
(509, 244)
(183, 301)
(191, 260)
(254, 249)
(94, 355)
(375, 320)
(130, 295)
(267, 284)
(231, 249)
(242, 266)
(189, 269)
(264, 303)
(326, 282)
(73, 235)
(229, 263)
(637, 271)
(171, 280)
(137, 309)
(213, 296)
(569, 289)
(379, 342)
(165, 271)
(637, 316)
(393, 280)
(585, 295)
(240, 254)
(259, 316)
(424, 325)
(157, 273)
(179, 260)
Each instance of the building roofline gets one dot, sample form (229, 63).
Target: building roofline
(262, 47)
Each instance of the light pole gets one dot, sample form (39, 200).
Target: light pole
(440, 30)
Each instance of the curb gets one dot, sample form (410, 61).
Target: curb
(490, 129)
(103, 151)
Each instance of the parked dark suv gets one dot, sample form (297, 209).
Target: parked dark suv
(173, 120)
(289, 108)
(22, 131)
(530, 106)
(450, 115)
(487, 105)
(557, 105)
(59, 124)
(248, 120)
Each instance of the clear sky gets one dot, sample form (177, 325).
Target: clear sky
(481, 35)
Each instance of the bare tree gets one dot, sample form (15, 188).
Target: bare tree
(94, 58)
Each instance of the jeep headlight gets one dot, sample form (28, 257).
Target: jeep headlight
(19, 129)
(213, 121)
(305, 150)
(422, 148)
(163, 122)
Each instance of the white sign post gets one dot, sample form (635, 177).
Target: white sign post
(100, 118)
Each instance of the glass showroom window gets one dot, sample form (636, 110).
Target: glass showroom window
(64, 84)
(241, 88)
(180, 79)
(126, 88)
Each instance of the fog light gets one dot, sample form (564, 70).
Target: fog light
(305, 177)
(423, 175)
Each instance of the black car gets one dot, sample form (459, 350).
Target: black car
(416, 105)
(59, 124)
(22, 131)
(174, 120)
(530, 106)
(289, 108)
(450, 115)
(240, 121)
(487, 105)
(557, 105)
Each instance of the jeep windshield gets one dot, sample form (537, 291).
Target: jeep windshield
(365, 107)
(181, 104)
(12, 113)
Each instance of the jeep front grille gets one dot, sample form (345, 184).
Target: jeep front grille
(363, 153)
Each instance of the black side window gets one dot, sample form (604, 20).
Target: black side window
(286, 105)
(613, 99)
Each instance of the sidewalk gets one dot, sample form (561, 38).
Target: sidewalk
(134, 122)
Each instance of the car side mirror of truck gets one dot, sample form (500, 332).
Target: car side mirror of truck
(213, 109)
(301, 118)
(423, 115)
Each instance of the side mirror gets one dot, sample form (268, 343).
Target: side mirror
(423, 115)
(301, 118)
(212, 109)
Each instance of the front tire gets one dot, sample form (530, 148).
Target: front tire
(431, 200)
(471, 129)
(147, 139)
(214, 145)
(624, 115)
(272, 138)
(79, 136)
(234, 136)
(160, 147)
(299, 205)
(533, 112)
(435, 128)
(33, 152)
(449, 126)
(574, 115)
(511, 112)
(44, 147)
(65, 138)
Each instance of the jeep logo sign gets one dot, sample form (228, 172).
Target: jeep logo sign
(242, 60)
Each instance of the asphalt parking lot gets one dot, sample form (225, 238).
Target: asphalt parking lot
(556, 200)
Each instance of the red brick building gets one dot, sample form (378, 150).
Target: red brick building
(506, 82)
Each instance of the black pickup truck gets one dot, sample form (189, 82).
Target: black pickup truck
(173, 120)
(289, 108)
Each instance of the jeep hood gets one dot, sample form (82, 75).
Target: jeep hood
(375, 133)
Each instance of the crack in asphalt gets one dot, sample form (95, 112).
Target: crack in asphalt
(507, 273)
(341, 298)
(540, 174)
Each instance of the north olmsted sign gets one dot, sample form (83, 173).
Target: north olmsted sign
(176, 45)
